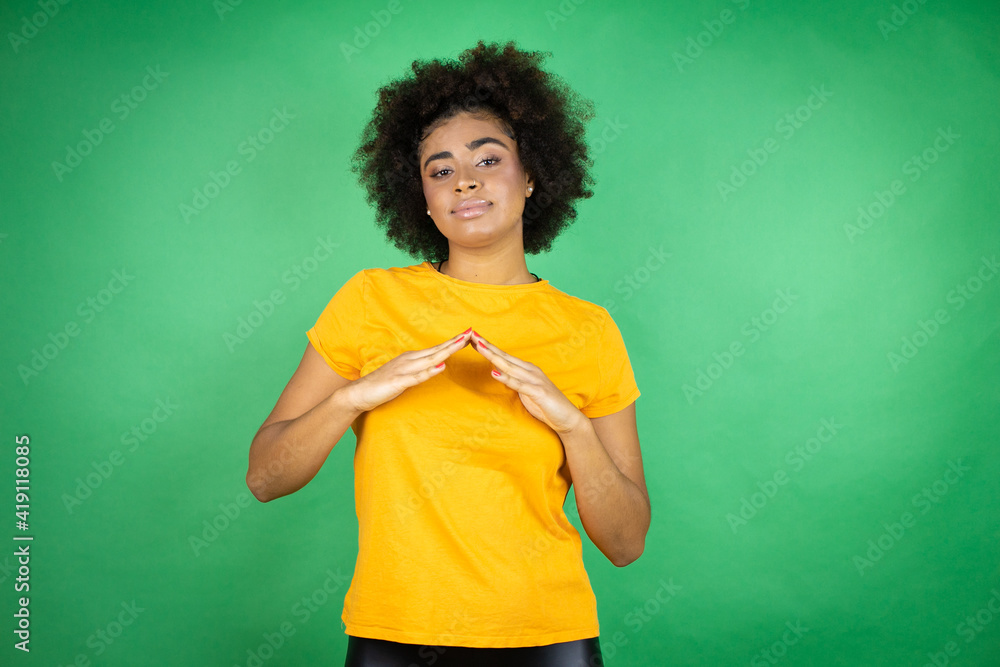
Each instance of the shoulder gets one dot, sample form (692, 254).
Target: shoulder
(578, 309)
(379, 279)
(390, 274)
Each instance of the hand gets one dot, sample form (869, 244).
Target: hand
(410, 368)
(542, 399)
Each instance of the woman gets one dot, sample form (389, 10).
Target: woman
(467, 443)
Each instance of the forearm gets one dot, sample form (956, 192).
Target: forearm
(613, 509)
(286, 455)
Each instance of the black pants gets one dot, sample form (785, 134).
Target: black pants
(363, 652)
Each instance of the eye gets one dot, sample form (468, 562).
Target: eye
(489, 158)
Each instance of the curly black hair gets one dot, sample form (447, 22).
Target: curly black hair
(536, 108)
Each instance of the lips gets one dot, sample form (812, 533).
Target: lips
(468, 208)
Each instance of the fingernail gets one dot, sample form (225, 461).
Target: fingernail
(467, 331)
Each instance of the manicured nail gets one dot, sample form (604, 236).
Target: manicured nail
(467, 331)
(482, 344)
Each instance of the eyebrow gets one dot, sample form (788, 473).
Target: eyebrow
(472, 145)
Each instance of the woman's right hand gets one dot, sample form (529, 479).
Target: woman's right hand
(393, 377)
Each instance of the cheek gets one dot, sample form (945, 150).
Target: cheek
(428, 190)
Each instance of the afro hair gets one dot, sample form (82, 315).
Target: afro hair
(537, 109)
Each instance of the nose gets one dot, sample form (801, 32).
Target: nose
(465, 181)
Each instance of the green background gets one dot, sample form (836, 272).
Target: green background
(668, 132)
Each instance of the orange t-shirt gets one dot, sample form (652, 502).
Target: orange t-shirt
(458, 489)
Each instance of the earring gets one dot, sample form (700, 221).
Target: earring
(428, 211)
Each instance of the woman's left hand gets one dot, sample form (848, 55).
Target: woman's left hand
(542, 399)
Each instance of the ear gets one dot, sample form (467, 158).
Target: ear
(529, 183)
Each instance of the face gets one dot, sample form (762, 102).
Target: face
(473, 181)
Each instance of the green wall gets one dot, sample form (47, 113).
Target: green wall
(795, 227)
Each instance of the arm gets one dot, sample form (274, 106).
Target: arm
(310, 417)
(318, 406)
(605, 465)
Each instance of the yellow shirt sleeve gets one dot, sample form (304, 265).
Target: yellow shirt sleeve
(617, 386)
(336, 333)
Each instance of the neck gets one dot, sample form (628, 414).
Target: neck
(490, 275)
